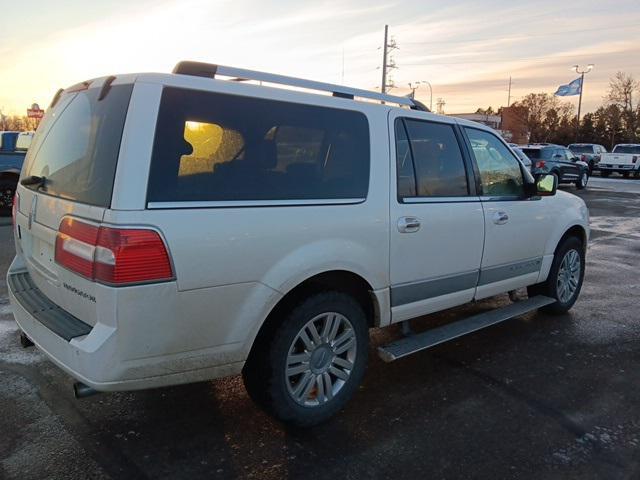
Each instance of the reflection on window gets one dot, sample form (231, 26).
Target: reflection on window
(500, 172)
(217, 147)
(210, 145)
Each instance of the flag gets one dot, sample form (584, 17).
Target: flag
(573, 88)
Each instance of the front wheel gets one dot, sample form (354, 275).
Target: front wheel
(565, 277)
(307, 369)
(582, 181)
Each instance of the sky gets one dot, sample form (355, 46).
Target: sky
(467, 50)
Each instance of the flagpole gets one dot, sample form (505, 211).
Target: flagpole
(581, 72)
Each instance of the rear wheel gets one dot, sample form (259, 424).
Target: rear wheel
(582, 181)
(7, 191)
(565, 277)
(310, 366)
(604, 173)
(625, 174)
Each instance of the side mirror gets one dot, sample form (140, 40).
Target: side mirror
(546, 185)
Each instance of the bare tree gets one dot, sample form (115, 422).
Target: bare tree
(621, 91)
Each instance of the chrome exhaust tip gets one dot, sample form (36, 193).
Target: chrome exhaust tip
(80, 390)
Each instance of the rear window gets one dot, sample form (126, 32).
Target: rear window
(77, 150)
(219, 147)
(24, 141)
(634, 149)
(581, 148)
(538, 153)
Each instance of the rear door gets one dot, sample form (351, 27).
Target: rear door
(436, 223)
(74, 154)
(570, 169)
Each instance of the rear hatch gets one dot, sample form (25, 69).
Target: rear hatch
(71, 167)
(624, 155)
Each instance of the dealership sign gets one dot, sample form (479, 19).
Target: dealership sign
(35, 111)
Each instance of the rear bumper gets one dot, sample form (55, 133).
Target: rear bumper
(95, 355)
(618, 168)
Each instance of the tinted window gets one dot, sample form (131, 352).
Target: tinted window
(404, 162)
(500, 172)
(583, 148)
(218, 147)
(78, 152)
(437, 159)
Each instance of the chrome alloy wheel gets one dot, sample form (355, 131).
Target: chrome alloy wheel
(568, 276)
(320, 359)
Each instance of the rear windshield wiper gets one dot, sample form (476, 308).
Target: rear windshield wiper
(33, 181)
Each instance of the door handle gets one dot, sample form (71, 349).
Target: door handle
(408, 224)
(500, 218)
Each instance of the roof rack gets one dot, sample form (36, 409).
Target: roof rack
(210, 70)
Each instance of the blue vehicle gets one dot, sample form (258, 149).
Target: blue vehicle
(13, 149)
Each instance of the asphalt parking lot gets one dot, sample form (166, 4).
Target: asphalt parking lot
(536, 397)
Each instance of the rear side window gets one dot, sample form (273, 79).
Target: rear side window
(438, 167)
(218, 147)
(77, 150)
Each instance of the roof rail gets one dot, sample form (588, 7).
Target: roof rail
(210, 70)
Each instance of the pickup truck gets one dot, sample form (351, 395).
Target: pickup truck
(624, 159)
(13, 148)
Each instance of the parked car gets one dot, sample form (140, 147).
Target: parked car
(526, 161)
(590, 153)
(13, 148)
(206, 227)
(559, 161)
(623, 159)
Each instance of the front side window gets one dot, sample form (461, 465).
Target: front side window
(218, 147)
(437, 164)
(500, 173)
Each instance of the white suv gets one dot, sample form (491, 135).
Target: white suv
(174, 228)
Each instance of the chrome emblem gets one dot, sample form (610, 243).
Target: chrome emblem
(32, 212)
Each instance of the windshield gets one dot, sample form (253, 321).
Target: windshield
(581, 148)
(634, 149)
(77, 151)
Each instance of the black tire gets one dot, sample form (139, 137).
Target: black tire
(604, 173)
(625, 174)
(7, 191)
(582, 181)
(265, 375)
(549, 288)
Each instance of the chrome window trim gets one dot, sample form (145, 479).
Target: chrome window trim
(253, 203)
(440, 199)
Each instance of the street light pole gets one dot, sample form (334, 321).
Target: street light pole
(581, 72)
(414, 87)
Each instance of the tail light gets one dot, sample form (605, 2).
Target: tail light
(541, 164)
(583, 158)
(15, 208)
(113, 256)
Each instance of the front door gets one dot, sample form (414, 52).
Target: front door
(437, 223)
(516, 227)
